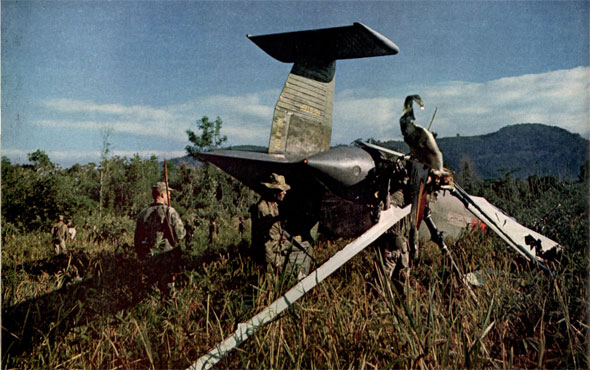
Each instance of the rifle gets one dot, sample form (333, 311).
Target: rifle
(297, 244)
(170, 230)
(430, 124)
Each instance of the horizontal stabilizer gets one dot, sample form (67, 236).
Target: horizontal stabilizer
(326, 44)
(219, 155)
(250, 167)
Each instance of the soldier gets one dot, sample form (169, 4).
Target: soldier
(59, 233)
(72, 230)
(158, 232)
(159, 227)
(190, 228)
(396, 242)
(269, 239)
(396, 248)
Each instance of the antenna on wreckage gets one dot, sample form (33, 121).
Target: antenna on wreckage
(170, 230)
(431, 120)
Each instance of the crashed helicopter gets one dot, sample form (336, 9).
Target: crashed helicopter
(345, 190)
(336, 188)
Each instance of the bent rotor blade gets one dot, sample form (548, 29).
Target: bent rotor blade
(388, 218)
(513, 233)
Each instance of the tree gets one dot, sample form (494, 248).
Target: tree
(584, 174)
(40, 161)
(210, 183)
(209, 139)
(126, 189)
(34, 195)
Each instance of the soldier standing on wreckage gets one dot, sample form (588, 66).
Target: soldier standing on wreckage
(158, 231)
(270, 241)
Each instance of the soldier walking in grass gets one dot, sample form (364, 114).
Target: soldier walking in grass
(72, 230)
(158, 232)
(59, 234)
(159, 227)
(396, 247)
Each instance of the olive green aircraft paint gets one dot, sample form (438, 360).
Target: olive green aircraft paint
(302, 121)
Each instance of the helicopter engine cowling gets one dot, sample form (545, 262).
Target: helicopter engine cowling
(347, 166)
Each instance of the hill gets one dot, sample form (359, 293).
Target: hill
(525, 149)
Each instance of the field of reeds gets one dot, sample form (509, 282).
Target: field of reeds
(99, 307)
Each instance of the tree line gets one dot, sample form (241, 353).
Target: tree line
(34, 194)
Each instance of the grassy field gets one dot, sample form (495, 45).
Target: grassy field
(99, 307)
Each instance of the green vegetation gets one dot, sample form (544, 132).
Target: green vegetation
(98, 307)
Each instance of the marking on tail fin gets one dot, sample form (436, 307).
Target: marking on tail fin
(302, 122)
(278, 133)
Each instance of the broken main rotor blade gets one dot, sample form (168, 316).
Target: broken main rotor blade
(513, 233)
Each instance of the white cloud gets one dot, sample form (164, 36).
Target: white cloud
(161, 130)
(87, 107)
(559, 98)
(249, 105)
(363, 117)
(245, 118)
(16, 155)
(161, 154)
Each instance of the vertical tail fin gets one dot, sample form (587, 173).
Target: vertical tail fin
(302, 120)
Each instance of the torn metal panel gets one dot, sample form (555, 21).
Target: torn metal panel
(449, 214)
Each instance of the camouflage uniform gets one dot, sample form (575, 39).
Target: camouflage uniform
(396, 248)
(268, 231)
(59, 233)
(157, 232)
(152, 231)
(395, 244)
(269, 243)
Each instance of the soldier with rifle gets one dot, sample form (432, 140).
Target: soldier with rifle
(272, 245)
(158, 232)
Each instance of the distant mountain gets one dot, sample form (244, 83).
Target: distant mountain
(527, 149)
(187, 159)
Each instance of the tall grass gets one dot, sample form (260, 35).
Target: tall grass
(99, 308)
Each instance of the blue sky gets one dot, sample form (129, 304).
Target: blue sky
(145, 71)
